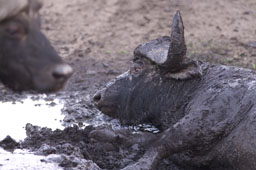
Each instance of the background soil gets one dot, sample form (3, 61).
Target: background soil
(99, 36)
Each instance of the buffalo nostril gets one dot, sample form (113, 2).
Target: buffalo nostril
(62, 71)
(97, 97)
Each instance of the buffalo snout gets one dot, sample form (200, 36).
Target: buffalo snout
(52, 78)
(105, 102)
(62, 72)
(97, 98)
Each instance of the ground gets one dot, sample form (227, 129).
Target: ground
(97, 37)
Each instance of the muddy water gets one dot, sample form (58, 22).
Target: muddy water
(59, 133)
(50, 111)
(15, 116)
(30, 119)
(54, 112)
(19, 158)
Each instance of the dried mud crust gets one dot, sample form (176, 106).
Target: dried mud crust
(98, 38)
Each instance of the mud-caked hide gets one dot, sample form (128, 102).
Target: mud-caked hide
(207, 112)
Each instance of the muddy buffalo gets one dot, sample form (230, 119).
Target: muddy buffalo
(27, 59)
(206, 112)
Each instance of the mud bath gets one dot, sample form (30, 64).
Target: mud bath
(71, 148)
(98, 40)
(38, 112)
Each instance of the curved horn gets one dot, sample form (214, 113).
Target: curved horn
(177, 49)
(11, 7)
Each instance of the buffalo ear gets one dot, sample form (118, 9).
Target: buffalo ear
(177, 48)
(154, 50)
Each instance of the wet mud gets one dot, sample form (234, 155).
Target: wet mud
(74, 147)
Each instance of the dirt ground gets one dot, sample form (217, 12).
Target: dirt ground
(97, 37)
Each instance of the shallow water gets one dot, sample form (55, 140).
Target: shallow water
(54, 112)
(22, 159)
(40, 112)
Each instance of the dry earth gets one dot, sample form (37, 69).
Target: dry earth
(105, 32)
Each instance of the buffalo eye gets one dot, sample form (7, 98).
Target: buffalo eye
(15, 31)
(136, 68)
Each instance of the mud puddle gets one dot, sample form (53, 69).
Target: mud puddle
(40, 112)
(30, 127)
(54, 131)
(19, 158)
(49, 111)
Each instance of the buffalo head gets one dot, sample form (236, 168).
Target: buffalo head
(27, 59)
(159, 67)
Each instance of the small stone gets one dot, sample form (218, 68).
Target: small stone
(54, 158)
(91, 72)
(252, 44)
(247, 12)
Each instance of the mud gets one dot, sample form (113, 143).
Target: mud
(98, 38)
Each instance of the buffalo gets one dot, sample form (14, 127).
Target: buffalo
(27, 59)
(206, 112)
